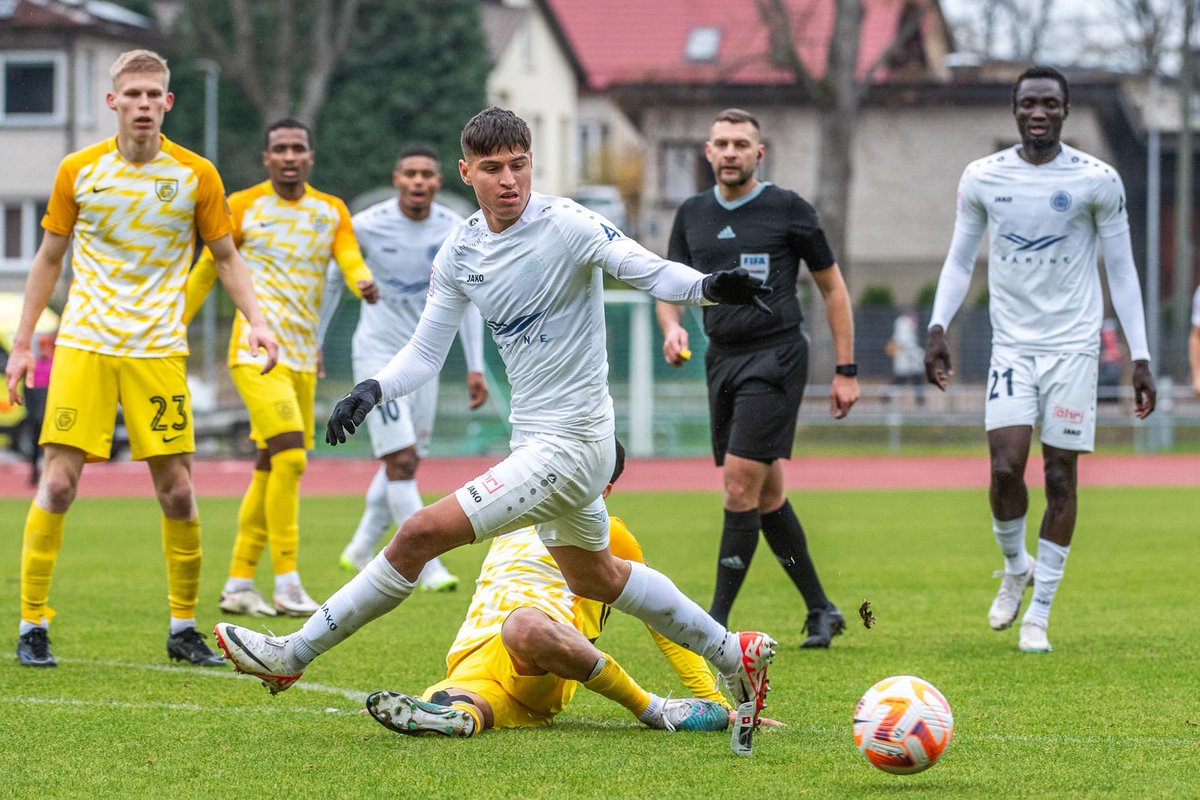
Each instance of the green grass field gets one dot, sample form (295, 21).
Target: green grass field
(1113, 712)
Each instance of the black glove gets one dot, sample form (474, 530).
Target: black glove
(351, 410)
(735, 286)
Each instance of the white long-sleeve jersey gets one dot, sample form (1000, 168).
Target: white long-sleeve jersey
(400, 253)
(1044, 223)
(539, 288)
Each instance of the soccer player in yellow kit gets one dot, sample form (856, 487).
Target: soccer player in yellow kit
(287, 232)
(134, 205)
(527, 644)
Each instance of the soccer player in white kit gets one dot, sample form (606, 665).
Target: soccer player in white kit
(399, 238)
(1045, 206)
(532, 265)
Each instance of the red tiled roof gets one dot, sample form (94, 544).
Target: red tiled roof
(629, 41)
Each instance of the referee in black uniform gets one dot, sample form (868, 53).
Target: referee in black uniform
(757, 365)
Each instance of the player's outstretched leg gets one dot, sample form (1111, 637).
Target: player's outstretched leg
(415, 717)
(272, 660)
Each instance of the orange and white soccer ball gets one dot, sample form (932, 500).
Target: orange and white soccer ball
(903, 724)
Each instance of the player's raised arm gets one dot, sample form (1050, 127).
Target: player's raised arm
(236, 279)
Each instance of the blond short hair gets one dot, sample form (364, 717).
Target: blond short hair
(140, 61)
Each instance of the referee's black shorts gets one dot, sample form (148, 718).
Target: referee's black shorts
(753, 399)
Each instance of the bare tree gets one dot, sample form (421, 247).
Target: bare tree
(1147, 31)
(1016, 29)
(282, 67)
(838, 95)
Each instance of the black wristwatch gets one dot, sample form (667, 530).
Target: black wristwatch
(849, 370)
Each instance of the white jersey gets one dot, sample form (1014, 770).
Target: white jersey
(400, 253)
(1043, 224)
(539, 288)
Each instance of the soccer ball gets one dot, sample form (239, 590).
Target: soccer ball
(903, 724)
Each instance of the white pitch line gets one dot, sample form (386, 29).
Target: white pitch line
(358, 696)
(154, 706)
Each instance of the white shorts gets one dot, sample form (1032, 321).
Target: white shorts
(551, 482)
(403, 422)
(1056, 391)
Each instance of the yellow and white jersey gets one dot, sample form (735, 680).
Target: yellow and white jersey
(520, 572)
(287, 244)
(134, 228)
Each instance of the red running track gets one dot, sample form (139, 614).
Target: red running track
(327, 476)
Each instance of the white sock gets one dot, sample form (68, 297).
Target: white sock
(178, 625)
(1010, 535)
(238, 584)
(286, 580)
(1047, 572)
(654, 599)
(652, 710)
(26, 627)
(376, 517)
(403, 499)
(367, 596)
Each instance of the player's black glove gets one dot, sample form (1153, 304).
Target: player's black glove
(351, 410)
(737, 287)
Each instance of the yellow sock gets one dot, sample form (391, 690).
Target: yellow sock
(469, 708)
(181, 546)
(39, 551)
(251, 528)
(283, 508)
(614, 683)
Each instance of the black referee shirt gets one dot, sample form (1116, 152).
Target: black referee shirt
(768, 232)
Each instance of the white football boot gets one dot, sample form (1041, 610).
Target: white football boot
(270, 659)
(1007, 604)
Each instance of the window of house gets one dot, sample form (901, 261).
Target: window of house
(703, 44)
(20, 233)
(33, 89)
(683, 166)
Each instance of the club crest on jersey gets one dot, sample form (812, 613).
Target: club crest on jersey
(321, 224)
(1060, 201)
(166, 189)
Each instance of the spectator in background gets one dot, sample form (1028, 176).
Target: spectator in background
(1111, 353)
(35, 400)
(908, 357)
(1194, 342)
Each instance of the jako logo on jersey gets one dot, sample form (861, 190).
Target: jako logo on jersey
(611, 233)
(517, 326)
(1060, 201)
(727, 233)
(474, 277)
(1030, 245)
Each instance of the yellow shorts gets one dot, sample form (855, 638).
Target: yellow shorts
(279, 402)
(86, 388)
(517, 701)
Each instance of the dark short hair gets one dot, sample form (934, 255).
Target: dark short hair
(619, 467)
(1042, 72)
(414, 150)
(289, 122)
(738, 115)
(494, 130)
